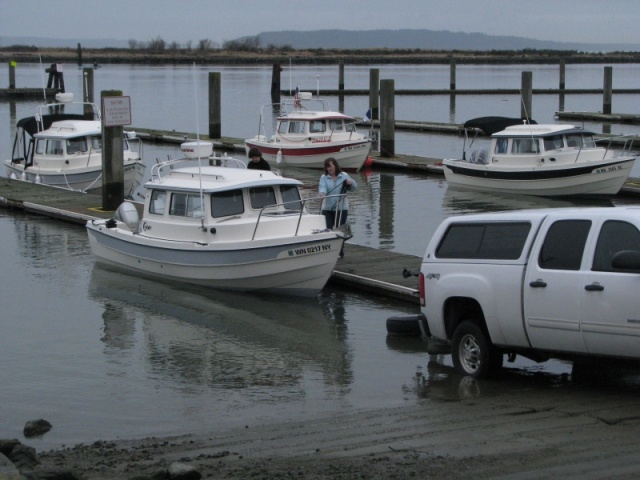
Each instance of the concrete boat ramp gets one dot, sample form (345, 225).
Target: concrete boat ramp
(362, 268)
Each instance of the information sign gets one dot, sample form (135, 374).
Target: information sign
(116, 111)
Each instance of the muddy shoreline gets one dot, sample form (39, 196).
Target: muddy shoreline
(516, 426)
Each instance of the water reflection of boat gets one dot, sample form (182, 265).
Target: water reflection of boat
(459, 201)
(545, 160)
(223, 340)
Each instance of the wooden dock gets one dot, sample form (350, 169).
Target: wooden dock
(362, 268)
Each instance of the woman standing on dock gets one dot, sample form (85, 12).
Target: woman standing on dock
(333, 183)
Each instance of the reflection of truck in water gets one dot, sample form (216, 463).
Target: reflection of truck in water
(552, 283)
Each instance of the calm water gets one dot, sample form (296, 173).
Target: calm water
(104, 355)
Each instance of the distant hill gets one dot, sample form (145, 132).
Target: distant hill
(423, 39)
(348, 39)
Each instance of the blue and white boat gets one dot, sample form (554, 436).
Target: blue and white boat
(221, 227)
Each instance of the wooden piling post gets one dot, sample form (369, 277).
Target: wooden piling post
(561, 86)
(87, 91)
(374, 93)
(452, 75)
(275, 83)
(215, 105)
(387, 119)
(112, 160)
(12, 74)
(526, 95)
(341, 86)
(79, 55)
(607, 90)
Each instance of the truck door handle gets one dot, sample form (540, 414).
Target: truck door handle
(594, 287)
(538, 284)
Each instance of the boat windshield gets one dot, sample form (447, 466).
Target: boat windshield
(525, 146)
(553, 143)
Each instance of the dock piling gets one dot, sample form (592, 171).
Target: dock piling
(526, 94)
(215, 105)
(387, 119)
(607, 88)
(374, 85)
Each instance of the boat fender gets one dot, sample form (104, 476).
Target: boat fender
(279, 157)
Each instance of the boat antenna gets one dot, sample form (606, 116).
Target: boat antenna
(195, 93)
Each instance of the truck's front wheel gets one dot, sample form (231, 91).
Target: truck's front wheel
(472, 352)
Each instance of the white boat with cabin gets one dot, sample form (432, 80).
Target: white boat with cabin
(543, 160)
(221, 227)
(63, 149)
(307, 132)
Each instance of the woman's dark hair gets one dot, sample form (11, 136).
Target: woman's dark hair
(254, 152)
(335, 164)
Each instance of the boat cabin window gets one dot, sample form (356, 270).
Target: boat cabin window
(553, 143)
(76, 145)
(54, 147)
(525, 145)
(261, 197)
(224, 204)
(350, 127)
(290, 197)
(40, 147)
(336, 125)
(501, 145)
(578, 141)
(296, 127)
(317, 126)
(158, 202)
(96, 142)
(186, 205)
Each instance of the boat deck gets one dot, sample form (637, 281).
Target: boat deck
(362, 268)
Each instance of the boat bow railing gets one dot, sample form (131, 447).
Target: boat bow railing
(296, 207)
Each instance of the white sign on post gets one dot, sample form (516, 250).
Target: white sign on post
(116, 111)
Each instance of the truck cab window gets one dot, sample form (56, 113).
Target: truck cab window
(615, 236)
(564, 245)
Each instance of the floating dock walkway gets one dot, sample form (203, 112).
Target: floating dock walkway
(362, 268)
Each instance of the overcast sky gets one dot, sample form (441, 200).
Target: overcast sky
(590, 21)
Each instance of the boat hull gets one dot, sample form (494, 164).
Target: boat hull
(299, 266)
(87, 180)
(350, 155)
(605, 177)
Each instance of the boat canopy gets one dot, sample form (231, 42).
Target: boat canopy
(491, 125)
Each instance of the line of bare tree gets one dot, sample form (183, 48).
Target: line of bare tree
(245, 44)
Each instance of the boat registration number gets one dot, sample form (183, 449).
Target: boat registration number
(612, 168)
(310, 250)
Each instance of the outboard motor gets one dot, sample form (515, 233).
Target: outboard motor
(128, 214)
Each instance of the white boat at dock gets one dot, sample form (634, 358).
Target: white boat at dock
(63, 149)
(221, 227)
(307, 132)
(543, 160)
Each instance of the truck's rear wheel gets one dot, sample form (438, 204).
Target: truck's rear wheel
(472, 352)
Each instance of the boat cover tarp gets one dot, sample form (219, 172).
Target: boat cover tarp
(491, 125)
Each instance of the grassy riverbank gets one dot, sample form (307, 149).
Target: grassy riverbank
(311, 57)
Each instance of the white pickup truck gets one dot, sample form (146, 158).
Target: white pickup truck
(553, 283)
